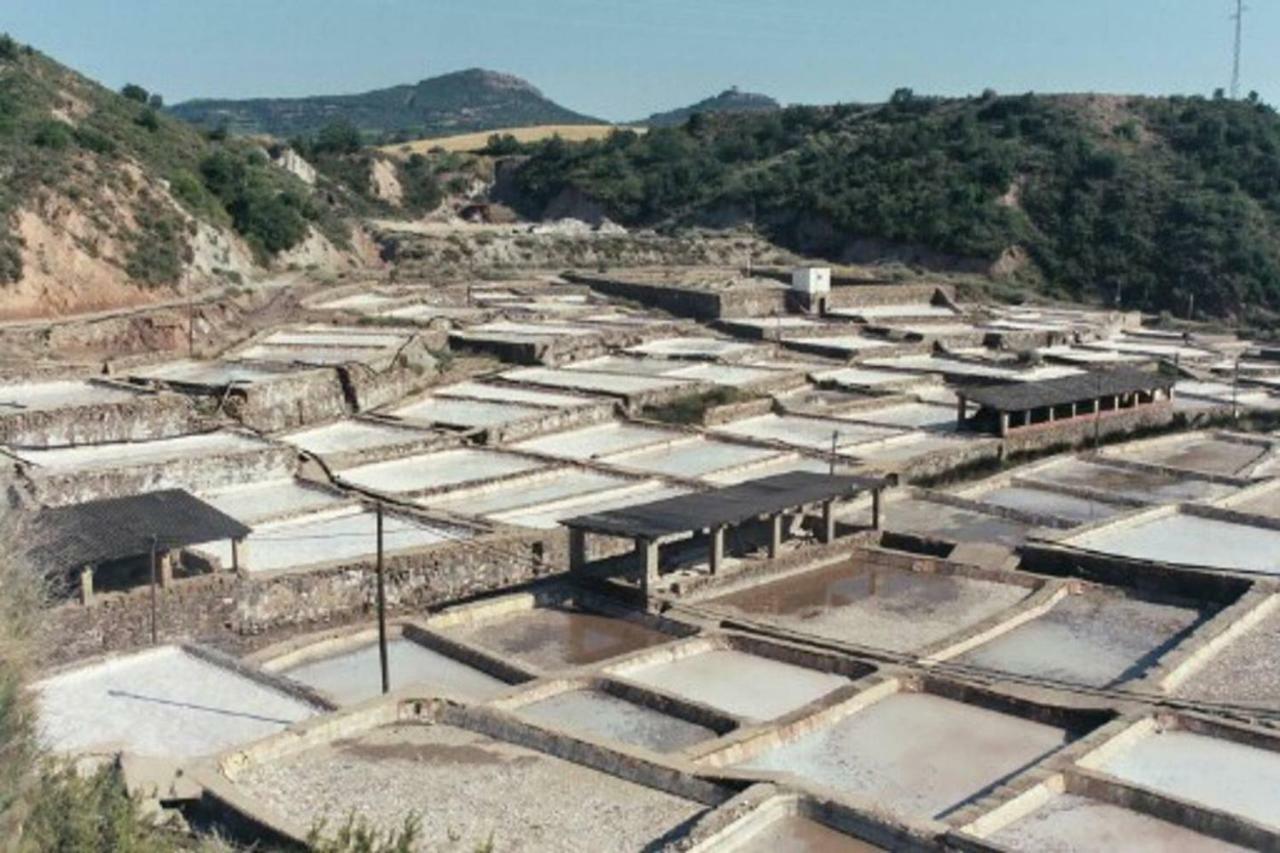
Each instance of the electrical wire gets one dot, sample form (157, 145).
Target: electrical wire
(862, 650)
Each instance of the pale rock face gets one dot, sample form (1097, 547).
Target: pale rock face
(291, 161)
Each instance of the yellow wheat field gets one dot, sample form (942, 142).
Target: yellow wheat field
(476, 141)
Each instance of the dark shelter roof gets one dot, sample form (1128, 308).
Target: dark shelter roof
(116, 528)
(730, 505)
(1021, 396)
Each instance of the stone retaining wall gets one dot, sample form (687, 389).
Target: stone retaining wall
(290, 401)
(688, 301)
(239, 613)
(193, 473)
(148, 415)
(1081, 430)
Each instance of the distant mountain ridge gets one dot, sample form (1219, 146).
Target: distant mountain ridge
(459, 102)
(731, 100)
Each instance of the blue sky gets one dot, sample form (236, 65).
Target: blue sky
(622, 59)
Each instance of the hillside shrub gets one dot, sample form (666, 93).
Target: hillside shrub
(500, 144)
(92, 139)
(149, 119)
(422, 193)
(269, 218)
(338, 137)
(52, 134)
(134, 92)
(160, 251)
(1099, 215)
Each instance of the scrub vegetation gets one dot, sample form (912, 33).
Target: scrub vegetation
(142, 178)
(1153, 203)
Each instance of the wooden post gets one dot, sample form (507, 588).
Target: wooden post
(716, 557)
(239, 554)
(828, 521)
(875, 509)
(154, 632)
(382, 612)
(648, 551)
(166, 569)
(577, 549)
(86, 586)
(775, 536)
(961, 410)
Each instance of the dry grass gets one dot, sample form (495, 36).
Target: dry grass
(476, 141)
(21, 599)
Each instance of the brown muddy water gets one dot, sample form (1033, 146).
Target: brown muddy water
(881, 607)
(554, 638)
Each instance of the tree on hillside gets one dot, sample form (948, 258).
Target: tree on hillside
(337, 137)
(134, 92)
(270, 219)
(500, 144)
(422, 193)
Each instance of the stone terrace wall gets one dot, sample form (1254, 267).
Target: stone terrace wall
(942, 461)
(414, 581)
(691, 302)
(194, 473)
(366, 388)
(1080, 430)
(866, 295)
(148, 415)
(239, 613)
(1145, 576)
(293, 400)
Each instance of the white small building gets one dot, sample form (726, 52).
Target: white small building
(813, 281)
(810, 287)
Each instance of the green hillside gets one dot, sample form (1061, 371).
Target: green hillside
(460, 102)
(1154, 202)
(138, 176)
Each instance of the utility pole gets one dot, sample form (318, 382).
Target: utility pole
(382, 612)
(153, 589)
(835, 434)
(1238, 17)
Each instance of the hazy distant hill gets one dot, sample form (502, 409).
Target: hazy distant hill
(728, 101)
(460, 102)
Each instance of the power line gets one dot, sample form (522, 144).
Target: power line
(946, 668)
(893, 656)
